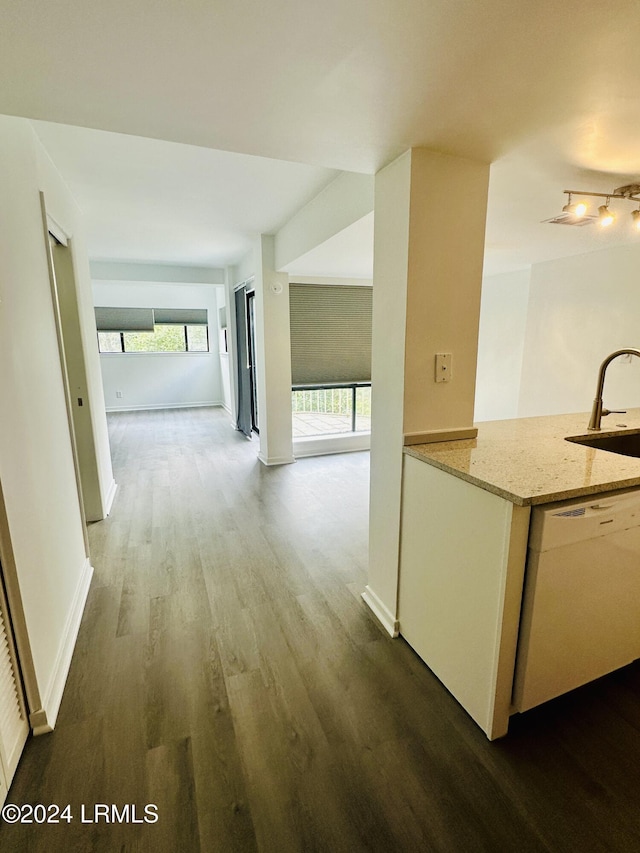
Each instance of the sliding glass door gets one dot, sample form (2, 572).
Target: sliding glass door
(251, 347)
(244, 421)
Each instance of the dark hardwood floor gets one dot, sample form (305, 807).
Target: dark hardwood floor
(228, 672)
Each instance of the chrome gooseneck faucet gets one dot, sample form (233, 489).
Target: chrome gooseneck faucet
(597, 412)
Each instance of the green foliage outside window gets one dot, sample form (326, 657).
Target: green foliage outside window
(164, 338)
(109, 342)
(197, 339)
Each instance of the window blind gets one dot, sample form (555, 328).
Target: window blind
(330, 333)
(143, 319)
(181, 316)
(124, 319)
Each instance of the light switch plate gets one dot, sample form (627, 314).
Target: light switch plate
(443, 367)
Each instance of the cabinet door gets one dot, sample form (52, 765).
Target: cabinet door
(461, 572)
(14, 727)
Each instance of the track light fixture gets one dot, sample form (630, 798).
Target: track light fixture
(580, 208)
(577, 209)
(605, 216)
(575, 213)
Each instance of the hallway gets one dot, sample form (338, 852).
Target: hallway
(228, 672)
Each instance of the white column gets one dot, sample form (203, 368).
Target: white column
(230, 281)
(273, 345)
(430, 211)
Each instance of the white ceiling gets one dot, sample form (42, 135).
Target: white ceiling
(526, 187)
(546, 91)
(145, 199)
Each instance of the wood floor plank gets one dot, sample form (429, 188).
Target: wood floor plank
(171, 788)
(133, 613)
(225, 823)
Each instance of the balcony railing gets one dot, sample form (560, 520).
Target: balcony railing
(331, 409)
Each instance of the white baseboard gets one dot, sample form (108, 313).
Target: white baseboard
(152, 406)
(324, 445)
(44, 719)
(113, 488)
(38, 723)
(276, 460)
(381, 612)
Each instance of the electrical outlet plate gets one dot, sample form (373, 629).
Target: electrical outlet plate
(443, 367)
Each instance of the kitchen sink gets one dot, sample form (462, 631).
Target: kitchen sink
(626, 443)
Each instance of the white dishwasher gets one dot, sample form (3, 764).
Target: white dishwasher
(581, 604)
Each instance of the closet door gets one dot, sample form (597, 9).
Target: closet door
(14, 727)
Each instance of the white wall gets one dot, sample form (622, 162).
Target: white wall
(36, 463)
(162, 380)
(273, 356)
(225, 378)
(245, 269)
(144, 271)
(426, 299)
(225, 356)
(158, 381)
(230, 376)
(503, 321)
(61, 206)
(344, 201)
(581, 309)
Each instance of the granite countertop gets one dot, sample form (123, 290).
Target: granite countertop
(527, 461)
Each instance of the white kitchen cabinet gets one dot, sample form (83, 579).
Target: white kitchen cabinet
(462, 558)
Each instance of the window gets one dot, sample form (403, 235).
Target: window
(110, 341)
(164, 338)
(152, 330)
(197, 339)
(330, 358)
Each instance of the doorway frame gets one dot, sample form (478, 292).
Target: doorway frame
(250, 317)
(52, 229)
